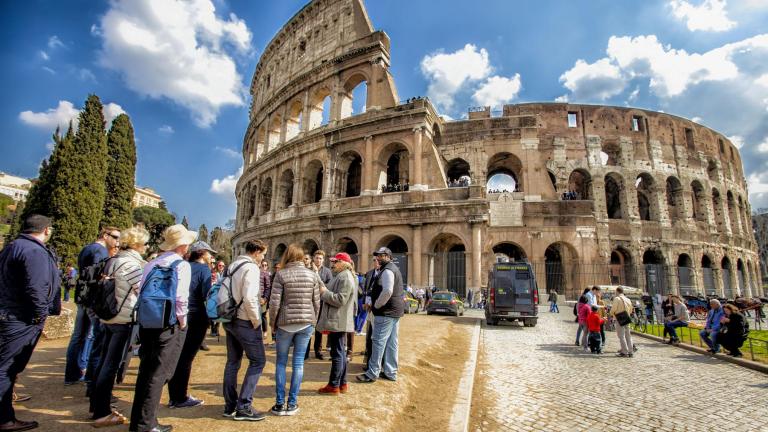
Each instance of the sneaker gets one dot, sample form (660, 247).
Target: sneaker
(228, 414)
(329, 389)
(248, 415)
(20, 397)
(386, 377)
(189, 403)
(278, 410)
(292, 410)
(343, 388)
(204, 347)
(621, 355)
(319, 356)
(364, 378)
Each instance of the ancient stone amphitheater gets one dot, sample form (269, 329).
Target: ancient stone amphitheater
(334, 159)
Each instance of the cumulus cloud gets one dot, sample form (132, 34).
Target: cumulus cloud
(228, 152)
(710, 15)
(600, 80)
(497, 90)
(226, 186)
(177, 50)
(447, 73)
(54, 42)
(64, 113)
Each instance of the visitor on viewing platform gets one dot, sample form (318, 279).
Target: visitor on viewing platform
(571, 196)
(396, 187)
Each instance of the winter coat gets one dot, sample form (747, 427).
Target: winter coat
(295, 297)
(126, 267)
(340, 304)
(584, 309)
(30, 284)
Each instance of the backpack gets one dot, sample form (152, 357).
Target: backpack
(88, 281)
(156, 308)
(746, 327)
(220, 304)
(104, 301)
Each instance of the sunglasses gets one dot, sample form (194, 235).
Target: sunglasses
(116, 237)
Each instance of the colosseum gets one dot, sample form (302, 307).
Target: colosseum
(590, 194)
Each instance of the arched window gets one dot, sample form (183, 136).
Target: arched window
(458, 173)
(294, 122)
(320, 108)
(504, 173)
(580, 185)
(686, 279)
(265, 197)
(312, 183)
(394, 161)
(285, 190)
(614, 196)
(275, 127)
(675, 200)
(699, 202)
(646, 197)
(354, 100)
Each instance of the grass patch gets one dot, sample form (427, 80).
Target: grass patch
(756, 349)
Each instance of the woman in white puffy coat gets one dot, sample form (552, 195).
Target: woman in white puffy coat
(126, 268)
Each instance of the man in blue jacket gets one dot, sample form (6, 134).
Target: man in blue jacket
(712, 326)
(29, 292)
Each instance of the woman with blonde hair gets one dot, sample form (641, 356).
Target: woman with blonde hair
(338, 318)
(293, 308)
(126, 268)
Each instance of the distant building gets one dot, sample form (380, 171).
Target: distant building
(146, 197)
(15, 187)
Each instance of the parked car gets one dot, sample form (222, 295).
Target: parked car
(411, 303)
(445, 302)
(512, 294)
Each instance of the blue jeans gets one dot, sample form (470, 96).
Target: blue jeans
(116, 337)
(383, 347)
(553, 307)
(672, 325)
(711, 343)
(75, 365)
(361, 316)
(300, 343)
(242, 337)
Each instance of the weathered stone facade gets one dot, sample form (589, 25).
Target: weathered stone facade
(662, 201)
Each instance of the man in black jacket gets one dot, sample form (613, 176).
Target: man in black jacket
(29, 291)
(388, 307)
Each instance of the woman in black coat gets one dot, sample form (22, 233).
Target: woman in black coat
(734, 336)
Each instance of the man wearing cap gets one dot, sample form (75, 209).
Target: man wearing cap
(197, 325)
(388, 307)
(29, 292)
(160, 348)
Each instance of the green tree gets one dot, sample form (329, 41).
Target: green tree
(77, 197)
(155, 220)
(185, 222)
(202, 233)
(6, 202)
(121, 174)
(221, 241)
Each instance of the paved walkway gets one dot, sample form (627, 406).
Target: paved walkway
(535, 379)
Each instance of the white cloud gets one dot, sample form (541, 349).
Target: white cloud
(762, 80)
(49, 146)
(228, 152)
(54, 42)
(166, 129)
(85, 74)
(95, 30)
(43, 55)
(600, 80)
(497, 90)
(737, 140)
(763, 146)
(176, 50)
(63, 114)
(449, 72)
(49, 70)
(710, 15)
(226, 186)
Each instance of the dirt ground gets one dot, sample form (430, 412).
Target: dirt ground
(431, 361)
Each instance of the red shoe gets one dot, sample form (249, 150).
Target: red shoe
(329, 389)
(344, 388)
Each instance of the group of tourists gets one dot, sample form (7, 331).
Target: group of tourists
(592, 314)
(395, 187)
(571, 196)
(724, 326)
(299, 299)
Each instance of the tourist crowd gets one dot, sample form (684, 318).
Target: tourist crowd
(162, 306)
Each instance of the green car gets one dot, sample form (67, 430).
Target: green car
(445, 302)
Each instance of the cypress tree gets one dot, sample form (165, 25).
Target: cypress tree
(77, 200)
(202, 233)
(121, 172)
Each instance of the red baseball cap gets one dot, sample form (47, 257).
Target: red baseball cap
(342, 256)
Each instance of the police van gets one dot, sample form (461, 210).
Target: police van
(512, 294)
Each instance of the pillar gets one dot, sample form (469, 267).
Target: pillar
(369, 187)
(364, 257)
(417, 182)
(477, 255)
(417, 279)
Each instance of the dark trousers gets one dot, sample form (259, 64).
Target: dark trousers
(337, 342)
(242, 337)
(179, 383)
(159, 353)
(594, 342)
(368, 342)
(350, 342)
(116, 337)
(82, 325)
(17, 342)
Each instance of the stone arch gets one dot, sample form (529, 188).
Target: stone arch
(295, 120)
(732, 213)
(708, 275)
(253, 199)
(348, 245)
(319, 107)
(437, 137)
(580, 182)
(654, 269)
(675, 200)
(610, 152)
(275, 128)
(647, 204)
(285, 190)
(352, 89)
(260, 142)
(741, 277)
(686, 279)
(265, 197)
(277, 254)
(718, 210)
(456, 169)
(712, 171)
(447, 266)
(310, 246)
(312, 182)
(510, 251)
(394, 163)
(505, 163)
(399, 247)
(621, 267)
(349, 178)
(615, 200)
(561, 269)
(552, 180)
(726, 269)
(698, 201)
(743, 217)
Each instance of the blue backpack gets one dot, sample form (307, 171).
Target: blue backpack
(220, 304)
(156, 308)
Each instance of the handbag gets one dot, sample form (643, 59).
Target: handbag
(623, 318)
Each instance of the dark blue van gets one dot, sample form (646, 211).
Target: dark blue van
(512, 294)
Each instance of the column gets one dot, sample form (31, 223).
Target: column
(477, 255)
(364, 254)
(369, 185)
(306, 113)
(417, 279)
(417, 180)
(297, 182)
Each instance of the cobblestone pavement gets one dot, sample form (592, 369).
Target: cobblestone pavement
(535, 379)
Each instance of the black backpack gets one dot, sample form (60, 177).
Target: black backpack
(87, 282)
(103, 299)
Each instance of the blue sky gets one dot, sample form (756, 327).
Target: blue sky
(181, 71)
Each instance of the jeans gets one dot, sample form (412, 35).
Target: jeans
(73, 370)
(625, 339)
(94, 353)
(383, 347)
(711, 341)
(116, 337)
(672, 325)
(178, 385)
(578, 334)
(242, 337)
(361, 316)
(300, 342)
(595, 344)
(17, 342)
(553, 307)
(338, 375)
(584, 333)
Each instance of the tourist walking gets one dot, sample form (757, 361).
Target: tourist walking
(69, 281)
(126, 268)
(29, 293)
(584, 309)
(553, 302)
(387, 307)
(200, 254)
(337, 318)
(244, 334)
(712, 326)
(680, 318)
(160, 347)
(733, 330)
(85, 320)
(621, 310)
(293, 310)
